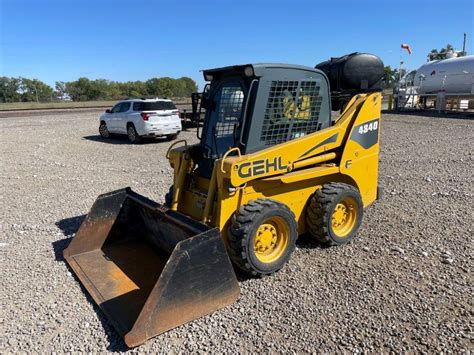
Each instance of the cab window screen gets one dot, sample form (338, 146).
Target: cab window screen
(292, 111)
(153, 106)
(230, 110)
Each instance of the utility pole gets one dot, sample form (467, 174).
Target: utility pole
(36, 91)
(397, 96)
(464, 45)
(400, 72)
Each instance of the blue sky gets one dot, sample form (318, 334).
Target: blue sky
(135, 40)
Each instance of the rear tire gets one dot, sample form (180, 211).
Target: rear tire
(103, 130)
(335, 213)
(132, 134)
(262, 237)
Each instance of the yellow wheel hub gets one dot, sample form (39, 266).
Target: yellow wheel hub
(271, 240)
(344, 217)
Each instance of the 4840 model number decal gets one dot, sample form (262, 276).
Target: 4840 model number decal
(366, 127)
(366, 134)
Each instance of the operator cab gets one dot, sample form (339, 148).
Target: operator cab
(253, 107)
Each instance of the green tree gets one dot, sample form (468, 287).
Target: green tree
(397, 74)
(447, 49)
(391, 76)
(9, 89)
(60, 90)
(133, 89)
(187, 86)
(388, 77)
(442, 53)
(79, 90)
(160, 87)
(84, 89)
(166, 86)
(169, 87)
(105, 90)
(34, 90)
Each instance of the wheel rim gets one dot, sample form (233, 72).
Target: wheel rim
(344, 217)
(271, 240)
(103, 130)
(131, 134)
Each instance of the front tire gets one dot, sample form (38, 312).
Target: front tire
(262, 237)
(132, 134)
(103, 130)
(335, 213)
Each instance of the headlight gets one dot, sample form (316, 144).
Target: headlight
(248, 71)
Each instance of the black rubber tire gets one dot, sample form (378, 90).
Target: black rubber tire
(132, 134)
(321, 208)
(172, 137)
(103, 130)
(242, 233)
(169, 197)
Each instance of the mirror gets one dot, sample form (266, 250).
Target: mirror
(108, 111)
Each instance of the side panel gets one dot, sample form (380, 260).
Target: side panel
(193, 203)
(279, 158)
(360, 157)
(295, 195)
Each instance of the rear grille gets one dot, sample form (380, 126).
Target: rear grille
(292, 111)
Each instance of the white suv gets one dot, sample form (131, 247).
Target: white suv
(139, 118)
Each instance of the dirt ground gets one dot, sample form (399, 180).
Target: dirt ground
(403, 284)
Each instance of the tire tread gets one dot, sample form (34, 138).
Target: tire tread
(238, 232)
(320, 209)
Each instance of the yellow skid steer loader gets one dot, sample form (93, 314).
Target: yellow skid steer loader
(271, 164)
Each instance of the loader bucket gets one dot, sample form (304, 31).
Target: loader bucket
(149, 269)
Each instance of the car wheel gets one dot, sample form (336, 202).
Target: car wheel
(103, 130)
(132, 134)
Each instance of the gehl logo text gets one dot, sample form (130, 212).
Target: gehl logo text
(259, 167)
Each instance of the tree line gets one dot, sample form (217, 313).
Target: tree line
(391, 77)
(443, 52)
(34, 90)
(84, 89)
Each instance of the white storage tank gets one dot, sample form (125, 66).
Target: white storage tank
(452, 76)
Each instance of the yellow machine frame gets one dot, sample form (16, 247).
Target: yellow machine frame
(289, 172)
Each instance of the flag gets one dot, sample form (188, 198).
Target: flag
(407, 47)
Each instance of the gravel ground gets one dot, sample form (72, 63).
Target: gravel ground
(403, 284)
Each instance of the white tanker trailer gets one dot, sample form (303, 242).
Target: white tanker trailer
(453, 76)
(444, 84)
